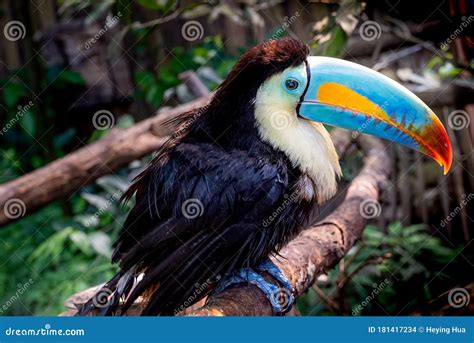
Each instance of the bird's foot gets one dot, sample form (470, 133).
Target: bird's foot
(281, 298)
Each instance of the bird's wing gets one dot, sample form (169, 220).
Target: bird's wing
(199, 214)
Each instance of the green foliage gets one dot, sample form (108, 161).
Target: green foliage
(331, 43)
(9, 165)
(443, 66)
(62, 255)
(375, 276)
(208, 59)
(163, 6)
(332, 30)
(55, 253)
(24, 114)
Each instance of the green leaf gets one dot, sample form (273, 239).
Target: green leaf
(81, 240)
(154, 95)
(196, 10)
(332, 43)
(413, 229)
(98, 11)
(158, 5)
(125, 121)
(144, 78)
(28, 122)
(12, 93)
(50, 250)
(72, 77)
(95, 200)
(64, 138)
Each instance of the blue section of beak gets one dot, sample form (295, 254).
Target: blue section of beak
(354, 97)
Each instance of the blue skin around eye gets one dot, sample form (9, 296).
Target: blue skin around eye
(294, 74)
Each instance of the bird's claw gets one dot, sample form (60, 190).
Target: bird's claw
(281, 298)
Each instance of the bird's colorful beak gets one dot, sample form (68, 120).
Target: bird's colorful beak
(348, 95)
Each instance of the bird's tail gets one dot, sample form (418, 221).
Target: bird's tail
(107, 300)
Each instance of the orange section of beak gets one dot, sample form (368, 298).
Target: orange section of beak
(435, 142)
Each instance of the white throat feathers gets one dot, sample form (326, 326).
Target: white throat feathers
(307, 144)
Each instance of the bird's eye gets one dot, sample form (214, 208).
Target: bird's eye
(291, 84)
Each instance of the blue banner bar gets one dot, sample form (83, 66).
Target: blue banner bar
(237, 329)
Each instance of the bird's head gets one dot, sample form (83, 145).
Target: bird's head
(294, 94)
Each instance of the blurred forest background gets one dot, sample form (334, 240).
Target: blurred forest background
(73, 71)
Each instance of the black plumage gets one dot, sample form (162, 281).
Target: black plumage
(236, 182)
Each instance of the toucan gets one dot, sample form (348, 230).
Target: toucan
(246, 172)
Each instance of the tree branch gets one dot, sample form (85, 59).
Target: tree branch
(62, 177)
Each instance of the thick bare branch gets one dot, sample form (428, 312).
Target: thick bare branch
(64, 176)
